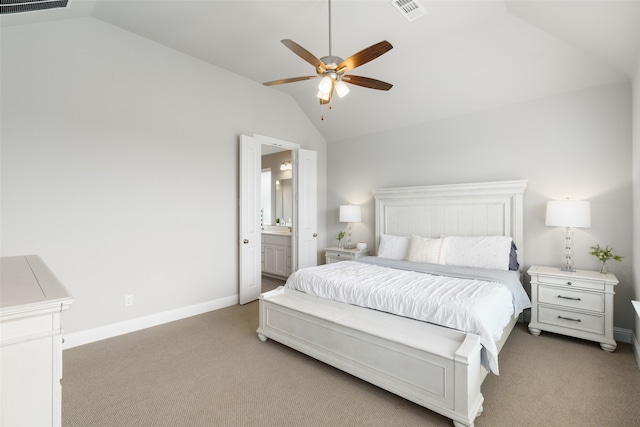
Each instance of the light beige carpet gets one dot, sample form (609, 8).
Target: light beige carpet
(211, 370)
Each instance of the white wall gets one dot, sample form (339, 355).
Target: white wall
(636, 198)
(576, 145)
(120, 166)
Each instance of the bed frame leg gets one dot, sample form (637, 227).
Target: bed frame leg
(461, 424)
(262, 338)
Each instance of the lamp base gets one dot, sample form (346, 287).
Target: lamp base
(572, 270)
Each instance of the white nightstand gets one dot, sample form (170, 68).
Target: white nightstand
(336, 254)
(577, 304)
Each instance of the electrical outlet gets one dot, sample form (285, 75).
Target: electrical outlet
(128, 300)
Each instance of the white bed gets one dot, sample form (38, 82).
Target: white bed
(433, 366)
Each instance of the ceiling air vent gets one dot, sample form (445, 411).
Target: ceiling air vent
(410, 9)
(20, 6)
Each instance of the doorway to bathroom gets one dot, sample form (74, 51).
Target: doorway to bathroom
(303, 219)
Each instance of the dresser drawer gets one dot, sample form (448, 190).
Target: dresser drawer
(569, 297)
(573, 282)
(569, 319)
(29, 327)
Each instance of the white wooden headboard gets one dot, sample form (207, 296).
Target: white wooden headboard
(476, 209)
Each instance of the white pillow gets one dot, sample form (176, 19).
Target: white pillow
(393, 247)
(424, 249)
(483, 252)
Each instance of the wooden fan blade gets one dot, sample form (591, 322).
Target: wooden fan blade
(290, 80)
(304, 54)
(367, 82)
(365, 55)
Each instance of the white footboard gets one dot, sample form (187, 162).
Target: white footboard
(433, 366)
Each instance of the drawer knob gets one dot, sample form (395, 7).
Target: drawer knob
(571, 298)
(569, 283)
(568, 318)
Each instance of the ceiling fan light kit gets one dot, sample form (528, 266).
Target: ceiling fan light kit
(332, 69)
(323, 95)
(342, 89)
(326, 83)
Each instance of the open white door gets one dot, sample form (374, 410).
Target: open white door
(307, 215)
(249, 219)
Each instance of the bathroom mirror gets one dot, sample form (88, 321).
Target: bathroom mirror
(277, 188)
(284, 200)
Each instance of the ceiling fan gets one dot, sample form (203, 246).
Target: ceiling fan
(333, 69)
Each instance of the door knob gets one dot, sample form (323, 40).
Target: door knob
(245, 241)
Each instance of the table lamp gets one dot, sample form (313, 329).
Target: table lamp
(350, 214)
(568, 213)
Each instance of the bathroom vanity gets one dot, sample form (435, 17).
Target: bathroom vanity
(276, 253)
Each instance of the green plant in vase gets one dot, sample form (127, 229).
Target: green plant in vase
(604, 255)
(340, 237)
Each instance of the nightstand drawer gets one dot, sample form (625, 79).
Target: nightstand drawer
(334, 257)
(343, 254)
(573, 282)
(567, 297)
(569, 319)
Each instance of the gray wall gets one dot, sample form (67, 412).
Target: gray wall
(576, 145)
(120, 166)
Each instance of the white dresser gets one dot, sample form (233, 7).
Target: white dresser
(578, 304)
(31, 301)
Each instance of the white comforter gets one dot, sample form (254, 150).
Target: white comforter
(470, 305)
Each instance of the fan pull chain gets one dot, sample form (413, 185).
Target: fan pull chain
(322, 106)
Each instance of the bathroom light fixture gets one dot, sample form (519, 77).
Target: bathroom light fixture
(350, 214)
(286, 166)
(568, 213)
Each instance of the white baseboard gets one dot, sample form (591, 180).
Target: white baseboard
(635, 343)
(622, 335)
(635, 339)
(91, 335)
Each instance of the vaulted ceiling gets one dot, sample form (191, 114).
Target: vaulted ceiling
(461, 57)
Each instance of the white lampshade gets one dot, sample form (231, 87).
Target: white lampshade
(342, 89)
(568, 213)
(323, 95)
(325, 84)
(350, 213)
